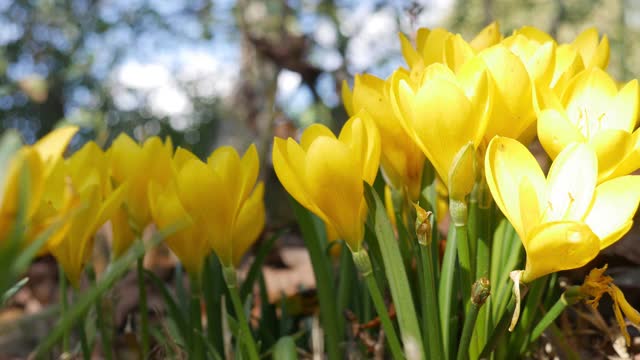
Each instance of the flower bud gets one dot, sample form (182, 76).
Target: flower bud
(423, 225)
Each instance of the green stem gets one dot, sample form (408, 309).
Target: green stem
(84, 344)
(62, 282)
(480, 292)
(458, 211)
(446, 289)
(144, 315)
(569, 297)
(245, 336)
(104, 333)
(483, 259)
(499, 330)
(212, 290)
(430, 316)
(195, 335)
(345, 280)
(363, 263)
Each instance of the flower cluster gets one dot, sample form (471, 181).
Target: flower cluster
(470, 109)
(460, 101)
(131, 186)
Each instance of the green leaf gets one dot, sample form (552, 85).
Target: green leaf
(256, 267)
(13, 290)
(315, 241)
(395, 271)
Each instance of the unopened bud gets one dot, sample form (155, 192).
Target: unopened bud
(480, 291)
(423, 225)
(362, 261)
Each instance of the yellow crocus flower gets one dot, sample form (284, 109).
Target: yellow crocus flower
(39, 159)
(513, 109)
(401, 159)
(441, 46)
(138, 165)
(592, 110)
(566, 62)
(565, 219)
(445, 114)
(539, 58)
(325, 174)
(213, 198)
(594, 51)
(85, 174)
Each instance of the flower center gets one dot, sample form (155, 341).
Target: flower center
(589, 122)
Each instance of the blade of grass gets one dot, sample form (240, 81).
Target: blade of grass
(332, 321)
(447, 291)
(115, 272)
(244, 331)
(363, 263)
(571, 296)
(213, 288)
(256, 266)
(395, 272)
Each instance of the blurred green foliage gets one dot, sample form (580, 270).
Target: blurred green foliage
(59, 58)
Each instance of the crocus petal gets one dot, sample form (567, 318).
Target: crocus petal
(335, 187)
(557, 246)
(433, 50)
(441, 113)
(623, 111)
(54, 144)
(188, 245)
(288, 163)
(421, 39)
(124, 157)
(347, 98)
(568, 64)
(571, 182)
(250, 168)
(123, 236)
(312, 132)
(513, 110)
(631, 162)
(487, 37)
(195, 182)
(409, 53)
(181, 157)
(614, 205)
(362, 137)
(368, 94)
(611, 146)
(555, 132)
(507, 164)
(593, 53)
(249, 223)
(225, 163)
(456, 52)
